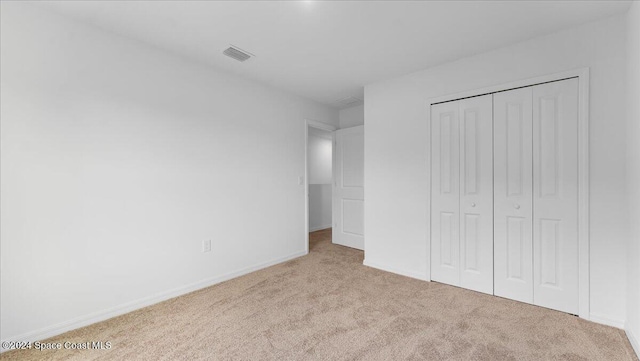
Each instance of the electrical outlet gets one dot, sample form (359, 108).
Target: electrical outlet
(206, 246)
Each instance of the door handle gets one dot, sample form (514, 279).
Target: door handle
(517, 206)
(473, 204)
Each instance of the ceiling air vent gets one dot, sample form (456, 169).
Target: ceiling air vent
(237, 53)
(348, 101)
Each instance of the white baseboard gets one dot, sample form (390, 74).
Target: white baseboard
(635, 342)
(319, 228)
(597, 318)
(86, 320)
(405, 273)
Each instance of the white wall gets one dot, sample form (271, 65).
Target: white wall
(397, 144)
(320, 157)
(352, 117)
(319, 206)
(633, 174)
(320, 154)
(119, 159)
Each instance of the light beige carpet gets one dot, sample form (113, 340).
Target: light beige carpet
(328, 306)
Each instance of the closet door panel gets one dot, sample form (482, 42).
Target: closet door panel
(555, 192)
(476, 193)
(445, 194)
(512, 150)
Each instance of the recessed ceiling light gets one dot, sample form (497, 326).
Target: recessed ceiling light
(308, 3)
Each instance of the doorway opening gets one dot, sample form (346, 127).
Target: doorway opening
(319, 180)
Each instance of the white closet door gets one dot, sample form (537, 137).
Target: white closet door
(348, 188)
(476, 193)
(445, 194)
(513, 194)
(555, 189)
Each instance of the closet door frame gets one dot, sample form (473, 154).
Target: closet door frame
(583, 167)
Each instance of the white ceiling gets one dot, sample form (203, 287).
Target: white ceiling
(328, 50)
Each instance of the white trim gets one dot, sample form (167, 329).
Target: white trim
(583, 194)
(583, 168)
(605, 320)
(334, 183)
(634, 341)
(322, 126)
(319, 228)
(92, 318)
(319, 125)
(428, 157)
(398, 271)
(582, 72)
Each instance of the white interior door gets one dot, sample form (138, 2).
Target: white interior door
(462, 193)
(348, 188)
(504, 197)
(555, 195)
(476, 193)
(445, 193)
(513, 202)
